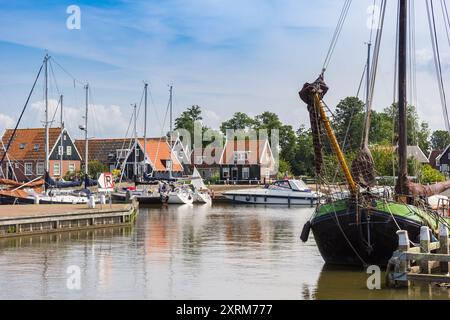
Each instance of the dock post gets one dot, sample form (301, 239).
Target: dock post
(424, 248)
(398, 265)
(443, 245)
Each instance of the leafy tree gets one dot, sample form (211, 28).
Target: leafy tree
(303, 162)
(187, 121)
(283, 169)
(95, 168)
(440, 139)
(423, 137)
(349, 111)
(239, 121)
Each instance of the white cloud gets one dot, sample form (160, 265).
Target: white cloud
(103, 121)
(6, 122)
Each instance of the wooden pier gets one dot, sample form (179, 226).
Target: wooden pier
(431, 260)
(18, 220)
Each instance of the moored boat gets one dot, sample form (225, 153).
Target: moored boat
(282, 192)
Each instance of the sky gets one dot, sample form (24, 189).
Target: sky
(225, 56)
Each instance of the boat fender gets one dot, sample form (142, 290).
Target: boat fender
(305, 231)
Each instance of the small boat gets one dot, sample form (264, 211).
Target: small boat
(201, 192)
(282, 192)
(143, 196)
(180, 196)
(202, 196)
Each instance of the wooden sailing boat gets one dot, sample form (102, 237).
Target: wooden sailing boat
(360, 229)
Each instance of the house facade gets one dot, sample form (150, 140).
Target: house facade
(25, 159)
(443, 161)
(125, 153)
(247, 161)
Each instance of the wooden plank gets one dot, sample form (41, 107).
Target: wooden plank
(428, 277)
(427, 257)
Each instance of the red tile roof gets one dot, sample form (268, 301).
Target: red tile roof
(158, 151)
(25, 140)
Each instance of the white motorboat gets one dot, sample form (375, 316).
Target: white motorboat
(180, 196)
(282, 192)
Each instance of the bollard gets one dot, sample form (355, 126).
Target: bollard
(396, 272)
(36, 199)
(443, 245)
(424, 248)
(91, 202)
(102, 199)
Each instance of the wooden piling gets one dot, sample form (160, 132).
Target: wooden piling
(443, 246)
(424, 248)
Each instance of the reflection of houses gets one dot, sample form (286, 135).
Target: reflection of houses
(161, 161)
(27, 154)
(246, 161)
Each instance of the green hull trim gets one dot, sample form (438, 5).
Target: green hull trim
(396, 209)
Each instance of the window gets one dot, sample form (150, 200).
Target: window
(56, 169)
(17, 165)
(28, 169)
(22, 146)
(169, 165)
(198, 159)
(40, 169)
(69, 150)
(71, 167)
(240, 156)
(245, 173)
(226, 173)
(36, 146)
(60, 150)
(122, 153)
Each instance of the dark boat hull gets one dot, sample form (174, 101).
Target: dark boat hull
(343, 241)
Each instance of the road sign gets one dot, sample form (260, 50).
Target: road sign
(106, 182)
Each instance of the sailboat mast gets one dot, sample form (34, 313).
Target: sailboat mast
(61, 137)
(171, 105)
(145, 129)
(47, 149)
(86, 141)
(402, 102)
(135, 141)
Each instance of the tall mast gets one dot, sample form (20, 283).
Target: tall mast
(402, 102)
(170, 105)
(171, 128)
(47, 148)
(86, 141)
(145, 129)
(61, 137)
(135, 141)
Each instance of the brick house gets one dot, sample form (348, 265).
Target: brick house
(114, 152)
(27, 154)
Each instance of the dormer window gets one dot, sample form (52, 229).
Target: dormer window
(36, 146)
(22, 146)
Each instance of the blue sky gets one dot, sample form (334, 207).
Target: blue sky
(226, 56)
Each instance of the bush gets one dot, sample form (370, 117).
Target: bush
(430, 175)
(95, 168)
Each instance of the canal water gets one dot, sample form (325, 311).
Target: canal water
(186, 252)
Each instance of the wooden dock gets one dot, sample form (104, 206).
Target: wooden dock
(426, 263)
(18, 220)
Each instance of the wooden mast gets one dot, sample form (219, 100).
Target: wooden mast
(402, 186)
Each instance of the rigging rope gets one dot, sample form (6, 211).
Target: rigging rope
(21, 115)
(337, 32)
(437, 60)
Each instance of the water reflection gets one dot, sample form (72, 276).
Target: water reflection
(185, 252)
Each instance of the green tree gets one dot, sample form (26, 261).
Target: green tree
(423, 137)
(349, 117)
(95, 168)
(440, 139)
(239, 121)
(303, 162)
(187, 121)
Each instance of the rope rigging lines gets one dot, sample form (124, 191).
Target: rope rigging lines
(337, 33)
